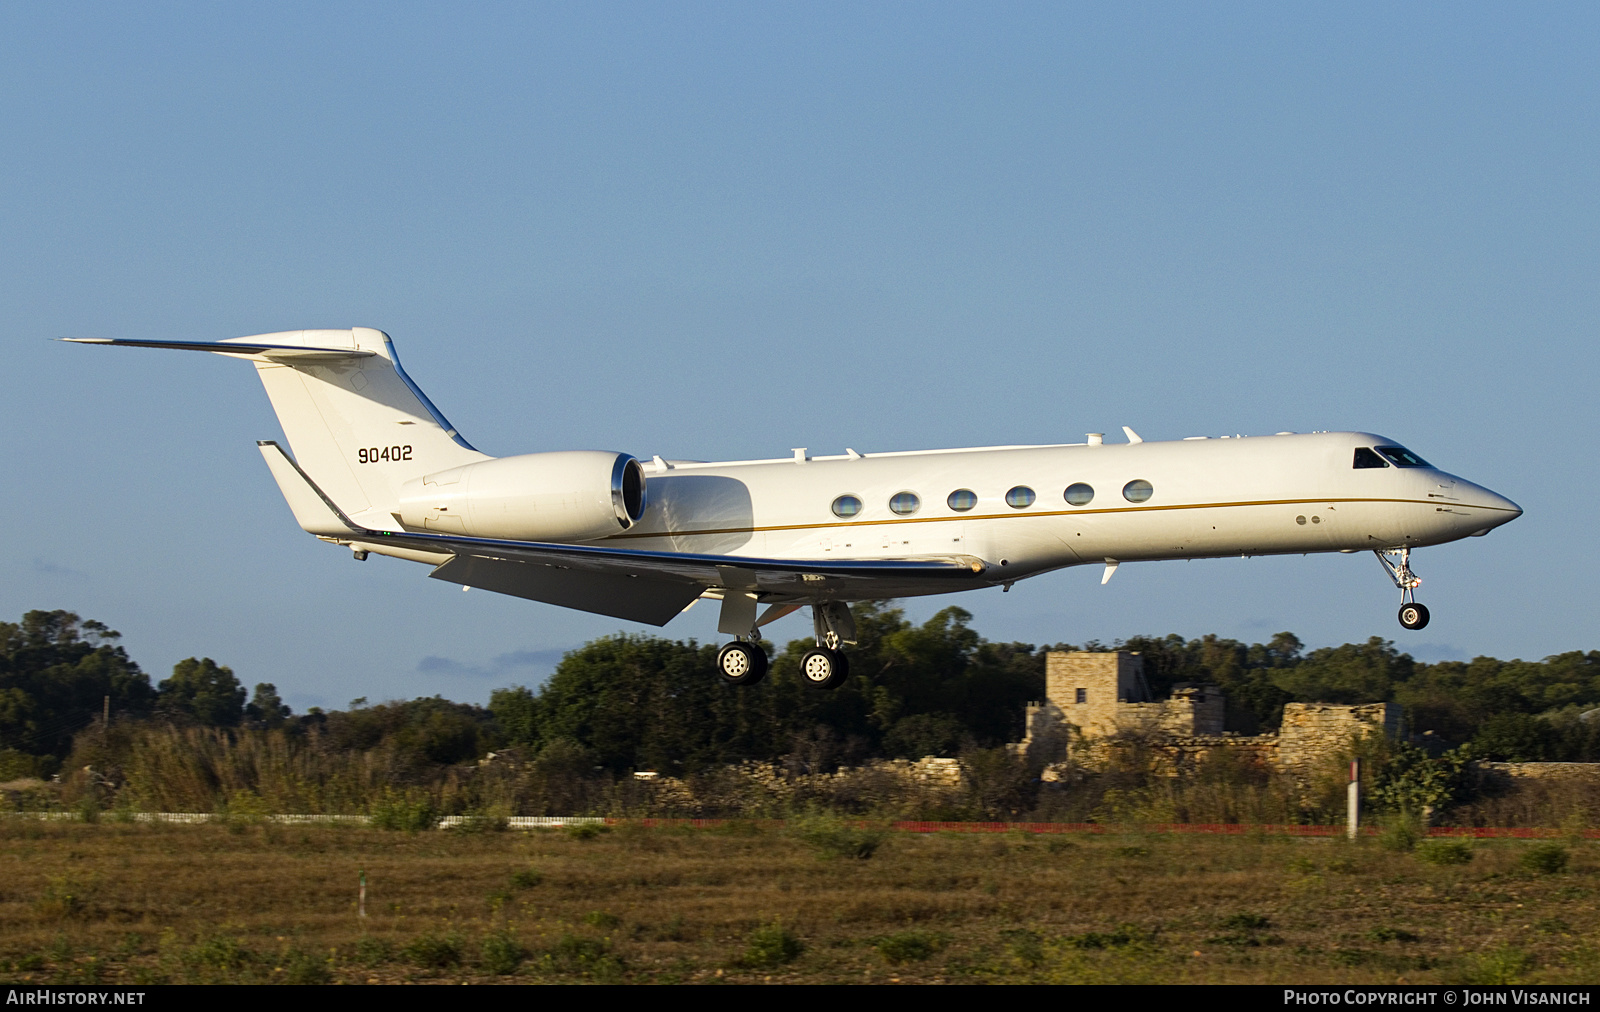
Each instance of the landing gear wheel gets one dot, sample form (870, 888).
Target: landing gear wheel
(1413, 616)
(823, 668)
(741, 663)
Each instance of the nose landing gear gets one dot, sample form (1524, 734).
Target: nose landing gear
(1412, 614)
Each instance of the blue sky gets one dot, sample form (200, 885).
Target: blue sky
(725, 230)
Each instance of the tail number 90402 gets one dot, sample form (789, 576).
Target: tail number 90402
(375, 454)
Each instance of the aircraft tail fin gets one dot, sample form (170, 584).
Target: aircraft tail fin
(358, 425)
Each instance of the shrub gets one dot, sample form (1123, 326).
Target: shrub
(64, 898)
(771, 945)
(501, 954)
(834, 837)
(433, 952)
(1388, 934)
(590, 957)
(403, 814)
(1504, 965)
(217, 953)
(304, 968)
(909, 946)
(1123, 935)
(372, 951)
(527, 878)
(1444, 852)
(1025, 946)
(586, 830)
(1545, 858)
(1400, 837)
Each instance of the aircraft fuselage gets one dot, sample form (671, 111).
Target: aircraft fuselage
(1265, 495)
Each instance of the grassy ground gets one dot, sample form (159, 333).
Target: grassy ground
(120, 903)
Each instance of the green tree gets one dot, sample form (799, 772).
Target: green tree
(1409, 780)
(266, 707)
(56, 671)
(418, 731)
(204, 691)
(1352, 673)
(516, 714)
(1517, 737)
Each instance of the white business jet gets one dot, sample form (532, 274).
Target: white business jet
(376, 468)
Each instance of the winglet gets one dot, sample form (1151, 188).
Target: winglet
(313, 511)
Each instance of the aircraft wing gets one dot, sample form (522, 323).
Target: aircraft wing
(641, 586)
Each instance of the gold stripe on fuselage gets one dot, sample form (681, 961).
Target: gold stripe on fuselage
(1029, 513)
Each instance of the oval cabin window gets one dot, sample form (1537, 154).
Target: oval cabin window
(1138, 490)
(962, 499)
(1079, 494)
(904, 503)
(846, 506)
(1020, 497)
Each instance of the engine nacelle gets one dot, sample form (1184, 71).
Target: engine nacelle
(574, 495)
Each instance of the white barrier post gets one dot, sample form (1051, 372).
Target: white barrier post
(1353, 800)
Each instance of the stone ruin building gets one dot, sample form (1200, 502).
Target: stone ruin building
(1095, 701)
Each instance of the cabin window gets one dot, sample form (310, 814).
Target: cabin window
(962, 499)
(1138, 490)
(905, 503)
(1402, 457)
(1020, 497)
(846, 506)
(1366, 458)
(1079, 494)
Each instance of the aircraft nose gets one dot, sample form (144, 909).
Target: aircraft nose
(1497, 509)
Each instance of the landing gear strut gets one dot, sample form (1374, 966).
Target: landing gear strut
(1412, 614)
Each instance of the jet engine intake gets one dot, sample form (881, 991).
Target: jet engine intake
(572, 495)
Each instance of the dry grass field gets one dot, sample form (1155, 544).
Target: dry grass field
(136, 903)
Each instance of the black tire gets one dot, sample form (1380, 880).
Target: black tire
(1413, 616)
(824, 669)
(741, 664)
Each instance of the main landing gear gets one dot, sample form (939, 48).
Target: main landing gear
(1412, 614)
(826, 666)
(744, 662)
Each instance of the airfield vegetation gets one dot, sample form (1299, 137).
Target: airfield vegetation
(811, 900)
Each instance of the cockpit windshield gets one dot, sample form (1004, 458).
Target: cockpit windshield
(1366, 458)
(1402, 457)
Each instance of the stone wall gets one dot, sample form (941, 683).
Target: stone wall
(1511, 773)
(1316, 736)
(1098, 705)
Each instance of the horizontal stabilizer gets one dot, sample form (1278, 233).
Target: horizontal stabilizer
(238, 349)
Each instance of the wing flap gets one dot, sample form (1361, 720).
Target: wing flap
(619, 595)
